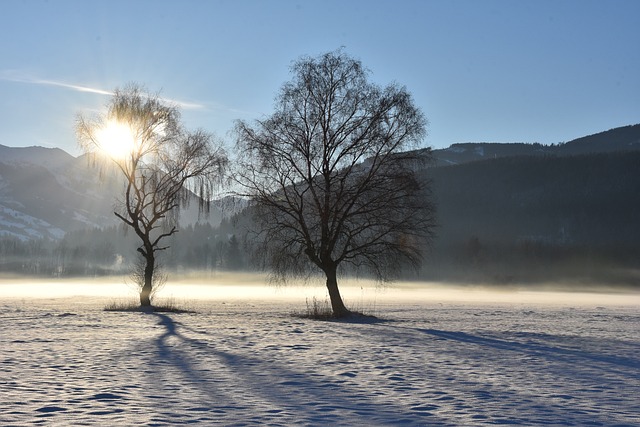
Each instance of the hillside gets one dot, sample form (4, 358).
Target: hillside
(509, 218)
(46, 193)
(626, 138)
(506, 212)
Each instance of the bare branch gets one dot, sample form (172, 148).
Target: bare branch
(331, 173)
(165, 166)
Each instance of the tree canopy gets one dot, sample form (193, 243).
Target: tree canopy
(332, 174)
(162, 163)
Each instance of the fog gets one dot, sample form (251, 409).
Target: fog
(360, 294)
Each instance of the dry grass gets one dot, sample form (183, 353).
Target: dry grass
(165, 306)
(321, 310)
(316, 309)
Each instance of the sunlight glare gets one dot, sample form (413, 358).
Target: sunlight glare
(116, 139)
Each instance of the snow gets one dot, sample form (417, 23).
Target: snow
(440, 357)
(456, 149)
(24, 226)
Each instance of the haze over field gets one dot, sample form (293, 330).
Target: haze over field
(365, 294)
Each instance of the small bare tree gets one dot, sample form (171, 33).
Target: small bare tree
(332, 176)
(161, 163)
(138, 279)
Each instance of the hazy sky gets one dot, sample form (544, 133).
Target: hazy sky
(481, 70)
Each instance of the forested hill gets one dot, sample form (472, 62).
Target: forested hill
(626, 138)
(506, 213)
(504, 217)
(510, 212)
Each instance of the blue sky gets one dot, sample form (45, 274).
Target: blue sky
(481, 70)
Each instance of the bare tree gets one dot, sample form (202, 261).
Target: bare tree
(162, 164)
(332, 176)
(137, 277)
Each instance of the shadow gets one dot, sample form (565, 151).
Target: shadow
(559, 353)
(244, 381)
(169, 353)
(168, 324)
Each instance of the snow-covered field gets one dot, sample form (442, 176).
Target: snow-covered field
(441, 358)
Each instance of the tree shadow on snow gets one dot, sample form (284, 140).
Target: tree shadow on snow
(538, 349)
(246, 381)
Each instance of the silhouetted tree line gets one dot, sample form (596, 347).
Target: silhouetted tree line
(99, 252)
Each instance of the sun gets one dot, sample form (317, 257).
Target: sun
(116, 139)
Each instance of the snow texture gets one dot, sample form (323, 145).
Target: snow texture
(18, 224)
(245, 361)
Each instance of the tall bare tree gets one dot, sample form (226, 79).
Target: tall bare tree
(332, 175)
(161, 162)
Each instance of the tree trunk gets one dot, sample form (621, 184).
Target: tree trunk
(145, 292)
(338, 307)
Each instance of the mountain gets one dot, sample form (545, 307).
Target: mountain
(588, 202)
(526, 212)
(46, 192)
(51, 158)
(506, 212)
(626, 138)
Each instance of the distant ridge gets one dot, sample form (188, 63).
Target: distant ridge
(36, 155)
(618, 139)
(507, 214)
(626, 138)
(46, 192)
